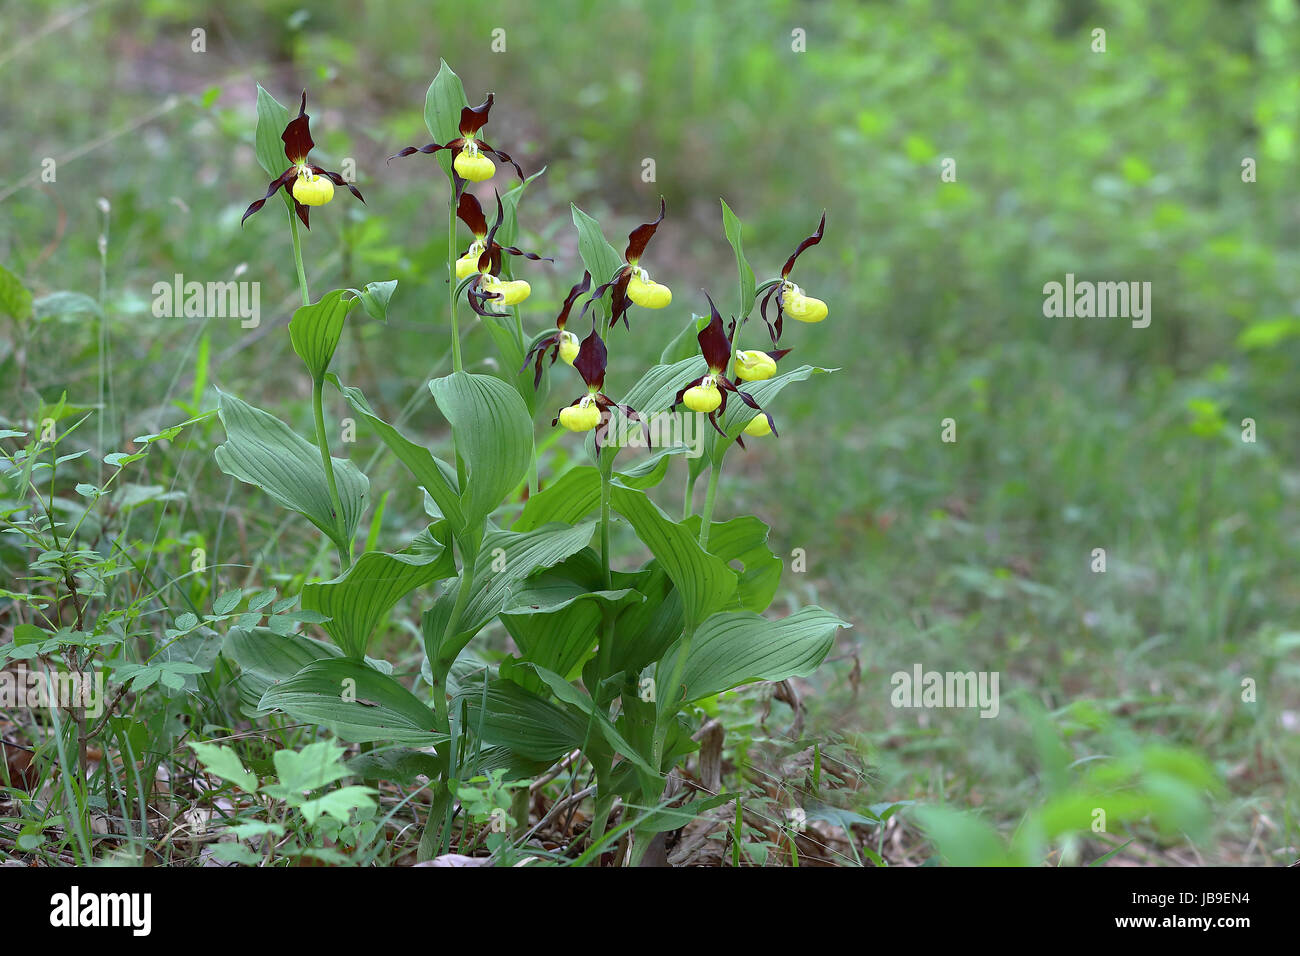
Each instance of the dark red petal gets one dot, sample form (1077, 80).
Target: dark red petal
(631, 415)
(496, 224)
(471, 214)
(286, 177)
(591, 359)
(504, 157)
(302, 212)
(427, 148)
(779, 354)
(338, 180)
(812, 240)
(474, 118)
(714, 344)
(571, 298)
(516, 251)
(639, 237)
(297, 135)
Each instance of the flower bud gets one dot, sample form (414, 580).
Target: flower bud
(645, 292)
(569, 346)
(702, 398)
(473, 165)
(754, 366)
(312, 190)
(758, 426)
(582, 417)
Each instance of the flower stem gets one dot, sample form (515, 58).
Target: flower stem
(710, 495)
(317, 403)
(336, 504)
(297, 257)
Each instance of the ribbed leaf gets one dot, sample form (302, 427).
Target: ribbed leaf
(261, 450)
(272, 118)
(744, 539)
(576, 493)
(645, 631)
(731, 225)
(265, 658)
(705, 582)
(506, 559)
(494, 437)
(568, 694)
(355, 701)
(659, 386)
(374, 298)
(738, 647)
(442, 106)
(315, 330)
(357, 600)
(555, 622)
(523, 722)
(434, 475)
(601, 259)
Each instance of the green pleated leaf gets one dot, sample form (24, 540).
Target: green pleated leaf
(659, 386)
(374, 298)
(436, 476)
(601, 259)
(645, 631)
(265, 658)
(555, 622)
(356, 702)
(705, 582)
(739, 647)
(509, 230)
(261, 450)
(358, 600)
(568, 694)
(684, 344)
(744, 539)
(523, 722)
(732, 227)
(315, 330)
(272, 118)
(569, 499)
(494, 437)
(576, 493)
(442, 106)
(505, 560)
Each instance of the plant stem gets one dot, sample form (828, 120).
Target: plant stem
(297, 257)
(336, 504)
(605, 652)
(710, 495)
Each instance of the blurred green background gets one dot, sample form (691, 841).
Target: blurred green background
(1073, 434)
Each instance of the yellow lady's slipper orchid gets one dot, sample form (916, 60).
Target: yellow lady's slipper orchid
(312, 190)
(569, 346)
(594, 409)
(802, 307)
(561, 342)
(754, 366)
(472, 165)
(467, 264)
(644, 291)
(307, 183)
(708, 393)
(471, 149)
(759, 426)
(792, 301)
(511, 292)
(582, 417)
(704, 397)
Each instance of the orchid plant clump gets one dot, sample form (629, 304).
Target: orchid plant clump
(608, 658)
